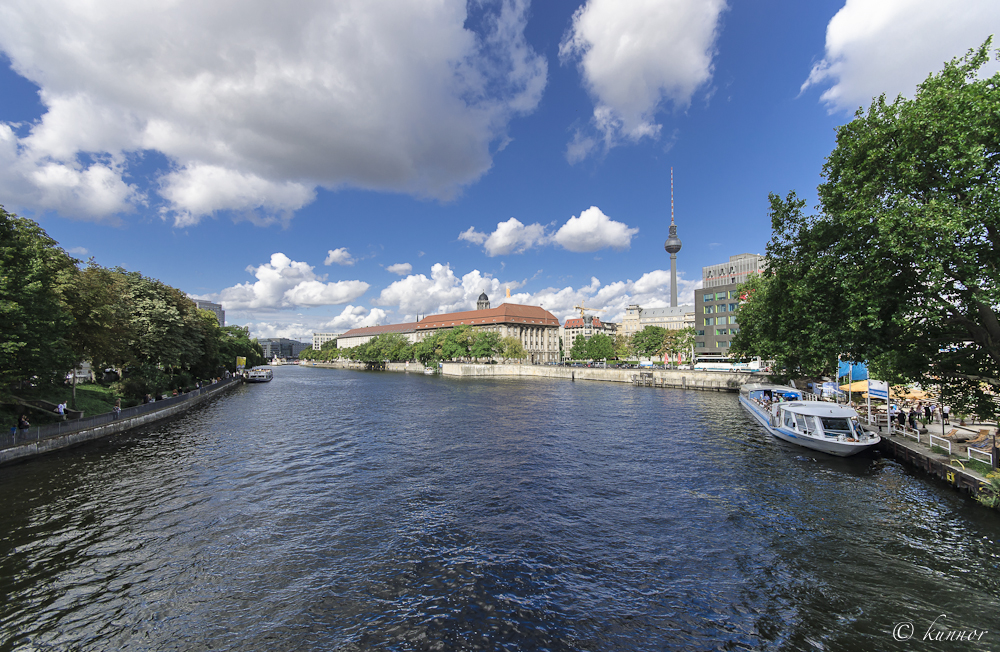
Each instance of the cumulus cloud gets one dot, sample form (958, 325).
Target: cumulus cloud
(285, 283)
(400, 268)
(340, 256)
(511, 237)
(418, 294)
(636, 57)
(592, 231)
(294, 331)
(256, 106)
(78, 251)
(890, 46)
(355, 317)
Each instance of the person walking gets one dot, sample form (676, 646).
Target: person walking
(117, 409)
(23, 425)
(913, 418)
(945, 412)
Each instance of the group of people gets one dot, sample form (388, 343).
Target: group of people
(909, 417)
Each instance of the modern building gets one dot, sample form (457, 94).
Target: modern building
(319, 339)
(220, 314)
(716, 305)
(279, 347)
(537, 328)
(637, 318)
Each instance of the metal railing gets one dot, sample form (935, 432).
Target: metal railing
(9, 439)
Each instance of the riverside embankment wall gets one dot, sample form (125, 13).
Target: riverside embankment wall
(679, 378)
(33, 448)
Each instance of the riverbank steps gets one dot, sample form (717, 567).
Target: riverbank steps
(35, 448)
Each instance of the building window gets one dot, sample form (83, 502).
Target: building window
(720, 295)
(699, 345)
(721, 331)
(709, 297)
(732, 307)
(710, 321)
(732, 319)
(700, 333)
(709, 310)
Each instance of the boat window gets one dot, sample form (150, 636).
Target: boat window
(835, 425)
(789, 420)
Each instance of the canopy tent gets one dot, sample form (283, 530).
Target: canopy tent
(897, 392)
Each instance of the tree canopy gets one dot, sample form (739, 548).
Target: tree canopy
(901, 265)
(56, 312)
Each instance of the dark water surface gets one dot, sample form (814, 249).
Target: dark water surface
(337, 510)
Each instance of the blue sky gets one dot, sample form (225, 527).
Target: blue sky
(368, 161)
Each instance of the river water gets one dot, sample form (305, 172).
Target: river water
(340, 510)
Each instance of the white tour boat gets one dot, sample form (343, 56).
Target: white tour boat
(260, 375)
(821, 426)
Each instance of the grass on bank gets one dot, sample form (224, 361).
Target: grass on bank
(91, 398)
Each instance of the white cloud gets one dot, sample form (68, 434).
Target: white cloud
(890, 46)
(635, 57)
(594, 230)
(284, 283)
(340, 256)
(442, 292)
(355, 317)
(254, 105)
(78, 251)
(400, 268)
(293, 331)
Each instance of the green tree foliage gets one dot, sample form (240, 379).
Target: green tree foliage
(649, 341)
(677, 342)
(486, 345)
(35, 321)
(600, 347)
(579, 349)
(511, 348)
(902, 265)
(623, 346)
(54, 314)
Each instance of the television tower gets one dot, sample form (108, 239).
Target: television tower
(672, 245)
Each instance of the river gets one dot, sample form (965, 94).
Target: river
(345, 510)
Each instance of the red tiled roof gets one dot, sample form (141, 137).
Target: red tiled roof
(378, 330)
(505, 313)
(578, 323)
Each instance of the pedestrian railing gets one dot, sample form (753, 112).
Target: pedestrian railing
(10, 439)
(972, 452)
(934, 440)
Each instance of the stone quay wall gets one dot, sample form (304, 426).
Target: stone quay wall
(34, 448)
(717, 381)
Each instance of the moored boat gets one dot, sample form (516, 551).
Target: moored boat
(260, 375)
(821, 426)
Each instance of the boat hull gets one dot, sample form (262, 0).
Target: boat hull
(823, 445)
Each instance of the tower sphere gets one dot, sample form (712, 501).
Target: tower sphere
(673, 243)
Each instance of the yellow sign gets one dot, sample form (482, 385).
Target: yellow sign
(241, 362)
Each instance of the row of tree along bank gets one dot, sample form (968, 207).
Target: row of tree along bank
(900, 266)
(56, 312)
(470, 343)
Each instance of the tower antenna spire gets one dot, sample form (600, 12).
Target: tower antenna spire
(671, 194)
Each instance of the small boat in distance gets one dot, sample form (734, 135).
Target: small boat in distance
(815, 424)
(260, 375)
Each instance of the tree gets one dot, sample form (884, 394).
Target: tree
(35, 320)
(677, 342)
(486, 344)
(600, 347)
(623, 346)
(649, 341)
(579, 349)
(902, 264)
(512, 349)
